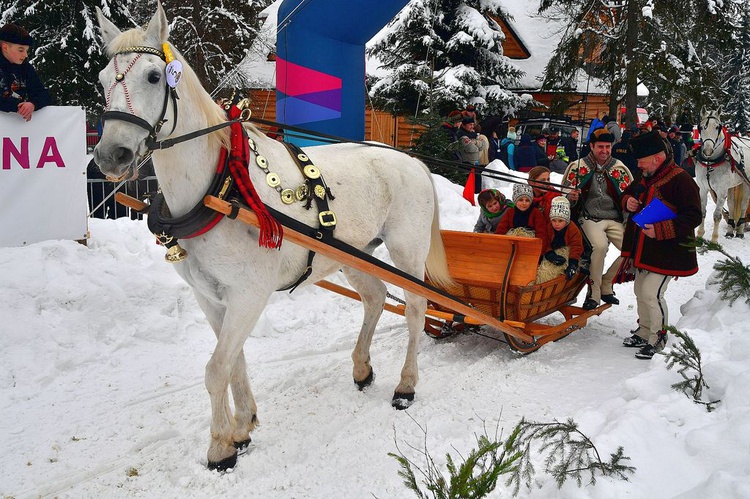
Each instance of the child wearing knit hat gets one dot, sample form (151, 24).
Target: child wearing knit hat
(565, 243)
(522, 218)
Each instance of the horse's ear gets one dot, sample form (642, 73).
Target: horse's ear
(158, 28)
(109, 30)
(703, 111)
(719, 111)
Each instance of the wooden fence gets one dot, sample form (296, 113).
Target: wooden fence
(379, 126)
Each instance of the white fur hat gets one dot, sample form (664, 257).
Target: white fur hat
(560, 208)
(522, 190)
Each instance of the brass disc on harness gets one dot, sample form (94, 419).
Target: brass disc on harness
(251, 145)
(261, 161)
(287, 196)
(272, 179)
(119, 77)
(303, 157)
(301, 193)
(311, 171)
(320, 191)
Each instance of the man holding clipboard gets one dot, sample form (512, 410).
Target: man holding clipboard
(665, 210)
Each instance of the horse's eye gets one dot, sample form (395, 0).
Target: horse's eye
(154, 77)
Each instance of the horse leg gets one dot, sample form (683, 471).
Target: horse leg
(372, 291)
(245, 409)
(408, 250)
(742, 207)
(734, 200)
(703, 197)
(721, 199)
(223, 368)
(416, 306)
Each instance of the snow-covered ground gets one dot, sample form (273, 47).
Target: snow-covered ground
(104, 348)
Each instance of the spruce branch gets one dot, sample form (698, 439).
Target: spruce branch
(733, 276)
(687, 355)
(570, 453)
(472, 477)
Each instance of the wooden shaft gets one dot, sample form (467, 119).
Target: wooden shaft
(401, 309)
(130, 201)
(248, 217)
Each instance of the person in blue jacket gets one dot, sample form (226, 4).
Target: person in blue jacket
(524, 156)
(21, 90)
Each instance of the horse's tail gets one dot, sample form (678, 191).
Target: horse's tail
(437, 262)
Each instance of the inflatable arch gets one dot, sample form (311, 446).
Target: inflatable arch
(320, 63)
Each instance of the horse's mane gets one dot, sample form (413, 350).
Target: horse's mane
(189, 84)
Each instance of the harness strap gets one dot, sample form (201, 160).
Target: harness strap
(319, 191)
(306, 230)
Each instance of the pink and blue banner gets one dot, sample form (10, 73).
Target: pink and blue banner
(320, 63)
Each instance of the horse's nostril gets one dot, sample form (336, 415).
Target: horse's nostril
(123, 155)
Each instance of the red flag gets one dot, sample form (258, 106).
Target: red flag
(469, 188)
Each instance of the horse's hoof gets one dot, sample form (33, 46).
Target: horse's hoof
(242, 446)
(225, 464)
(402, 401)
(740, 236)
(729, 235)
(365, 382)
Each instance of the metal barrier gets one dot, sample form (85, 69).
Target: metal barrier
(100, 189)
(92, 138)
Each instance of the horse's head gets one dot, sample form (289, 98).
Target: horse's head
(711, 133)
(136, 92)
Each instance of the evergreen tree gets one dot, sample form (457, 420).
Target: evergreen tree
(212, 35)
(737, 86)
(448, 53)
(677, 57)
(67, 52)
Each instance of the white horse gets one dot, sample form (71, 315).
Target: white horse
(381, 196)
(714, 173)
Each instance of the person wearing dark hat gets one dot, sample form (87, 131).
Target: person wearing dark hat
(598, 181)
(540, 142)
(469, 145)
(622, 151)
(21, 90)
(657, 252)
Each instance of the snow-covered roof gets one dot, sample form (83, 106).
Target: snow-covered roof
(538, 35)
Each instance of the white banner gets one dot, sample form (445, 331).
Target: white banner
(43, 176)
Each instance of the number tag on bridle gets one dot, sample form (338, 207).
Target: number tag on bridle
(174, 73)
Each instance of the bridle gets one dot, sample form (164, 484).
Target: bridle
(131, 117)
(715, 142)
(152, 143)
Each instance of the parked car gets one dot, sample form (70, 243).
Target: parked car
(534, 126)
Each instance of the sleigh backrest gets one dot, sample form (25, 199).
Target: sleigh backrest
(489, 259)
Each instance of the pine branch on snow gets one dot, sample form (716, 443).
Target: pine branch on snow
(569, 453)
(687, 355)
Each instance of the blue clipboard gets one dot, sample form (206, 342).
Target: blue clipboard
(654, 212)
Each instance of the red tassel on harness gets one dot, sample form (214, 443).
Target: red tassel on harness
(271, 231)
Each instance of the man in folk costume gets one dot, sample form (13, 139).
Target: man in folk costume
(599, 180)
(657, 251)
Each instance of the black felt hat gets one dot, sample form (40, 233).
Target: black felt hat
(647, 144)
(601, 135)
(13, 33)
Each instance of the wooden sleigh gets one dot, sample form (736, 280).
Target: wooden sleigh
(493, 284)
